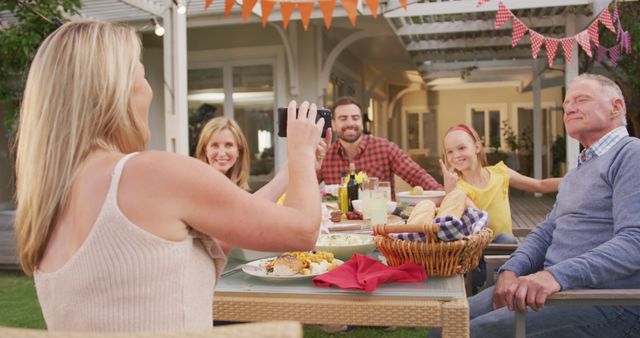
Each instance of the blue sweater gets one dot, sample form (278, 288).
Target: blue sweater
(591, 238)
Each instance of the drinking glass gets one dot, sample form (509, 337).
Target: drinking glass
(385, 187)
(378, 207)
(367, 188)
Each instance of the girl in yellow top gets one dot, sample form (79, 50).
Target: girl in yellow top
(465, 167)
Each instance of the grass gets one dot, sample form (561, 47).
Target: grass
(19, 308)
(18, 302)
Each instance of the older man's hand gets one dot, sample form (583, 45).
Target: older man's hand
(534, 289)
(503, 293)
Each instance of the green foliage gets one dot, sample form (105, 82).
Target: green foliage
(516, 142)
(19, 41)
(627, 71)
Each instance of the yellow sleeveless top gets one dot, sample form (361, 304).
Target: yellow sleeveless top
(494, 198)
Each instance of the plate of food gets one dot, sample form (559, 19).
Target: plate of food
(293, 265)
(343, 246)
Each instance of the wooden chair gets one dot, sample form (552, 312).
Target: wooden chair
(274, 329)
(584, 297)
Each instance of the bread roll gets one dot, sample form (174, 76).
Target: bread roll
(453, 204)
(423, 213)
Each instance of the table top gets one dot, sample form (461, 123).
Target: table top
(434, 288)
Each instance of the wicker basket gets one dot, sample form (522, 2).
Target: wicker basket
(439, 258)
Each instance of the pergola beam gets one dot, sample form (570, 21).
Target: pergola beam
(501, 41)
(148, 6)
(470, 6)
(475, 26)
(489, 64)
(487, 54)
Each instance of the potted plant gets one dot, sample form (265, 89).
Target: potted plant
(521, 147)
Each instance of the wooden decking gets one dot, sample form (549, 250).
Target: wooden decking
(526, 213)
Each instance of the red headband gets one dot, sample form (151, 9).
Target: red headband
(462, 127)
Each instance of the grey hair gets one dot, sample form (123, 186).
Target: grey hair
(611, 87)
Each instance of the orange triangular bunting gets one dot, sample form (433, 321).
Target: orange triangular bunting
(373, 6)
(350, 7)
(228, 4)
(286, 8)
(267, 7)
(305, 9)
(207, 3)
(247, 6)
(327, 7)
(404, 4)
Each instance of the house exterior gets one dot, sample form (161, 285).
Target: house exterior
(416, 72)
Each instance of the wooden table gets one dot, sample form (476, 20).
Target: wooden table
(436, 302)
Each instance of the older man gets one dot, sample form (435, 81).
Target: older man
(591, 238)
(373, 155)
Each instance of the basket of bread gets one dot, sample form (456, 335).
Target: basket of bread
(446, 241)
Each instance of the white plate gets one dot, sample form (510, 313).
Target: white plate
(433, 195)
(255, 269)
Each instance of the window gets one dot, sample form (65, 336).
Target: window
(486, 120)
(422, 136)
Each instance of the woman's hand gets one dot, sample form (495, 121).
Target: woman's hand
(322, 148)
(302, 130)
(449, 176)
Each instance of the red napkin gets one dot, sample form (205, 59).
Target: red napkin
(364, 273)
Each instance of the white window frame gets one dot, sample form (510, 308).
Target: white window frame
(245, 56)
(501, 107)
(421, 111)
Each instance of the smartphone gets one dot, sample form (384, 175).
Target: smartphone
(323, 113)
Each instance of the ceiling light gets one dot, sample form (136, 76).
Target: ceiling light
(181, 8)
(159, 30)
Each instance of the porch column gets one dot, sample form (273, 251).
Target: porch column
(538, 67)
(570, 72)
(175, 75)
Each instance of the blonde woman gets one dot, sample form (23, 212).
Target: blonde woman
(120, 239)
(222, 145)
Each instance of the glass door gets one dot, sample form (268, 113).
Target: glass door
(244, 93)
(253, 107)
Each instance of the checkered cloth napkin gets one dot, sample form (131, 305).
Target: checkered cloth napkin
(451, 228)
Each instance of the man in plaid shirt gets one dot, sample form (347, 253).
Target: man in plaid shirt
(373, 155)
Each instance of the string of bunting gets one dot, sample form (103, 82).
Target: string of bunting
(305, 7)
(588, 39)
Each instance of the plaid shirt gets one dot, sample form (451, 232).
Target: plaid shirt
(378, 157)
(603, 144)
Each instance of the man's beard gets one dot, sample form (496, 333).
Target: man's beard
(351, 139)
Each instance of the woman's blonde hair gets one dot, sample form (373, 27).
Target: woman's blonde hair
(239, 172)
(76, 100)
(482, 154)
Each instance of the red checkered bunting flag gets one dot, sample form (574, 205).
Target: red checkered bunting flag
(567, 47)
(482, 2)
(593, 33)
(613, 55)
(605, 18)
(552, 47)
(503, 15)
(518, 31)
(584, 42)
(536, 43)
